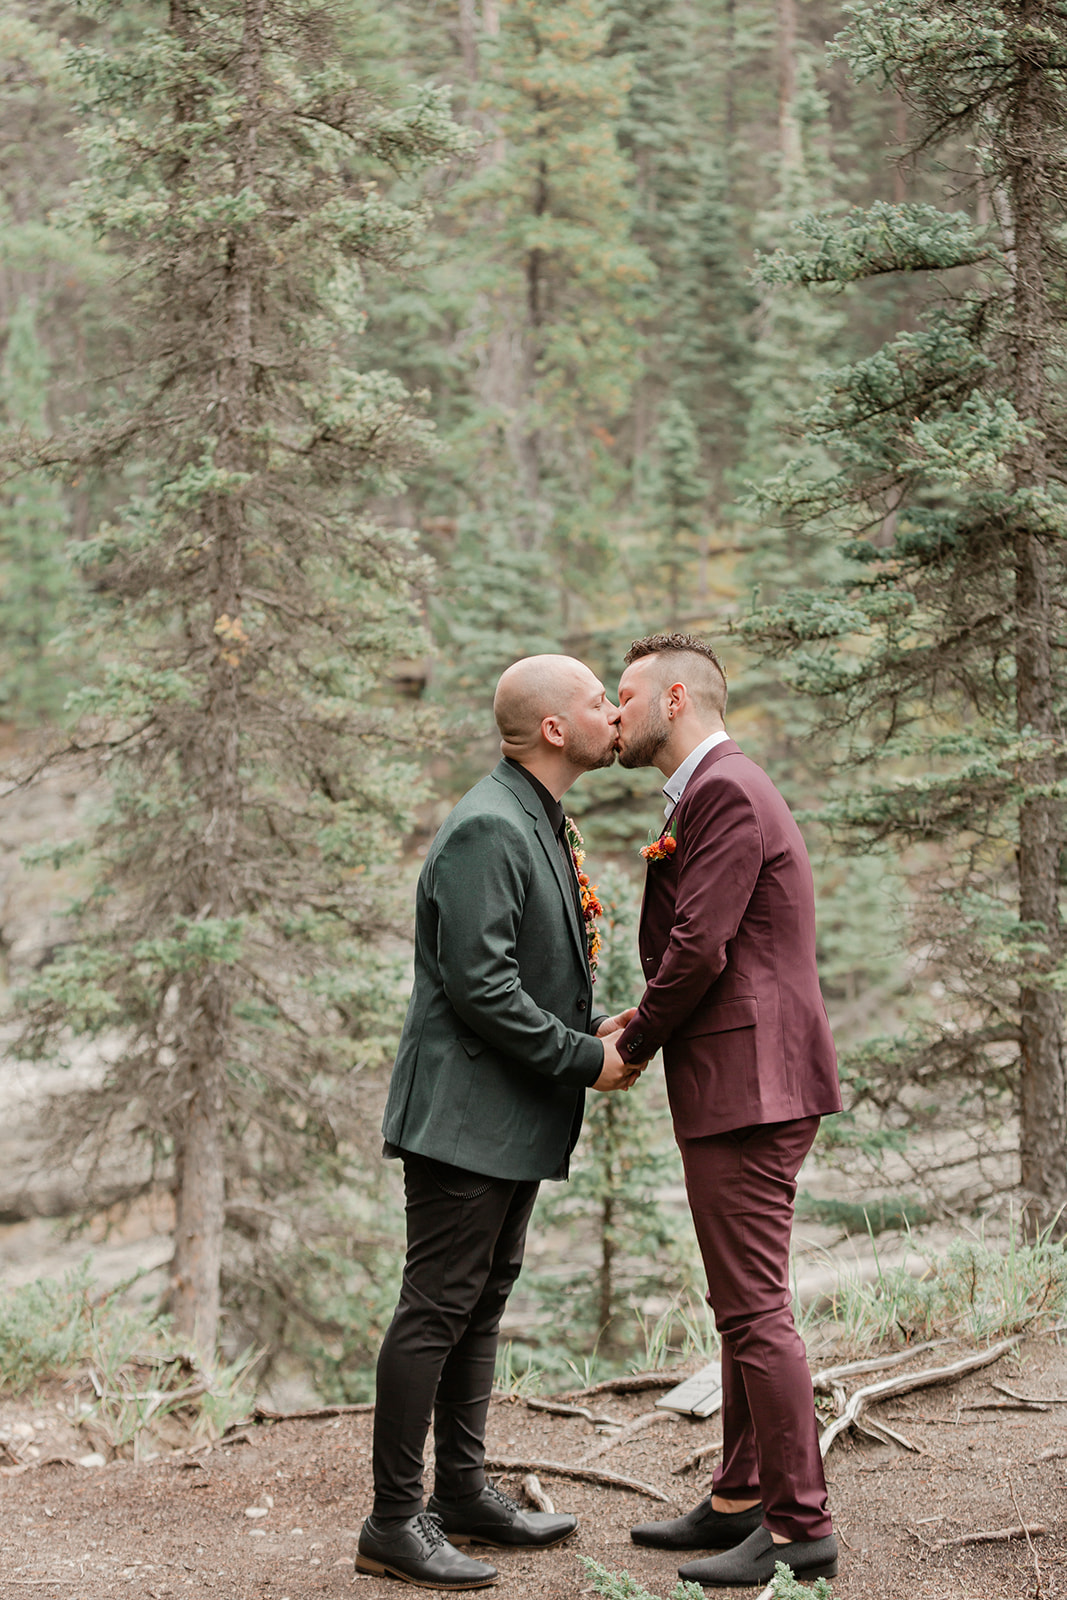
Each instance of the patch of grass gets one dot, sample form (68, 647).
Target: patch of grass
(873, 1216)
(620, 1585)
(684, 1329)
(512, 1377)
(977, 1291)
(130, 1379)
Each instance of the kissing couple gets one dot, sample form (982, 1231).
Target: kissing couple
(503, 1038)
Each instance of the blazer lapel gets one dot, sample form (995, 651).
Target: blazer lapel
(550, 845)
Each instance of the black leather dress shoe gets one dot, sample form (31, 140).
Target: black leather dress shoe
(703, 1528)
(417, 1551)
(489, 1517)
(752, 1564)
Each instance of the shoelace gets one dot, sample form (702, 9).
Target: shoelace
(501, 1499)
(431, 1529)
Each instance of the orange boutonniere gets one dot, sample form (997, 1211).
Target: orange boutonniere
(661, 848)
(591, 907)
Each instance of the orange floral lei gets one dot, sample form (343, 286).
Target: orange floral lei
(591, 907)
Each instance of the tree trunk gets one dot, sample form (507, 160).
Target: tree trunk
(468, 39)
(199, 1194)
(212, 770)
(788, 132)
(1043, 1083)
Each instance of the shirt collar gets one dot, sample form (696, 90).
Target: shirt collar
(553, 809)
(674, 787)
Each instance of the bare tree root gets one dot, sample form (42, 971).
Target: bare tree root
(874, 1392)
(561, 1469)
(648, 1419)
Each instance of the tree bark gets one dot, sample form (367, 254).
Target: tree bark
(788, 132)
(1043, 1083)
(212, 772)
(199, 1195)
(468, 39)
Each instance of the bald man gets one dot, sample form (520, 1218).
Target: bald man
(486, 1100)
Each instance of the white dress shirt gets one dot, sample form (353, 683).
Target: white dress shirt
(674, 787)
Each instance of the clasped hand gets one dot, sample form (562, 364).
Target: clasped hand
(616, 1072)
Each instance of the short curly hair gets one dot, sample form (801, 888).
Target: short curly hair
(710, 683)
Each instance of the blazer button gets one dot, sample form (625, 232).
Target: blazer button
(648, 961)
(581, 1005)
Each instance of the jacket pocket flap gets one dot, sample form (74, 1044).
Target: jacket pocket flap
(473, 1046)
(740, 1013)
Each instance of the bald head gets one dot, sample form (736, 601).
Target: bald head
(533, 689)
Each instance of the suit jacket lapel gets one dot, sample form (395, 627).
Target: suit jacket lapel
(549, 843)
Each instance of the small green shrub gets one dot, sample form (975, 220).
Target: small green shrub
(620, 1585)
(976, 1291)
(129, 1375)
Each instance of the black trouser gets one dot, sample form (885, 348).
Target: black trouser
(465, 1238)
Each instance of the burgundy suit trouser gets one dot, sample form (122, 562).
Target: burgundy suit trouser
(741, 1187)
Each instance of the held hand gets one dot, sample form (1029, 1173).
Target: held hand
(615, 1024)
(617, 1073)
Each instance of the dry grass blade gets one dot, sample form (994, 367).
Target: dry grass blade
(1039, 1582)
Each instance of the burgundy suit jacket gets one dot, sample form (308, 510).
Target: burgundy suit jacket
(727, 944)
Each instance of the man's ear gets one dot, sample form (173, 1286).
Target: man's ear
(552, 731)
(677, 699)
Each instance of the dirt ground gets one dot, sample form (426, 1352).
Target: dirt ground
(182, 1525)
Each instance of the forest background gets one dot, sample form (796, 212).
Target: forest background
(351, 351)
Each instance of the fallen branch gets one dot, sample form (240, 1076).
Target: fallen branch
(265, 1414)
(35, 1466)
(636, 1383)
(1055, 1452)
(1006, 1405)
(874, 1392)
(560, 1408)
(1031, 1399)
(698, 1456)
(561, 1469)
(823, 1382)
(994, 1536)
(648, 1419)
(534, 1493)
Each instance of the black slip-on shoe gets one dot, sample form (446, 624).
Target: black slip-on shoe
(489, 1517)
(751, 1565)
(416, 1551)
(703, 1528)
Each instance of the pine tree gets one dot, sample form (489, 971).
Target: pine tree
(557, 276)
(626, 1154)
(34, 525)
(940, 651)
(258, 786)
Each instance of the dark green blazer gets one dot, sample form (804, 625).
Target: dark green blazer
(497, 1049)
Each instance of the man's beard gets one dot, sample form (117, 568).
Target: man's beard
(589, 756)
(644, 745)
